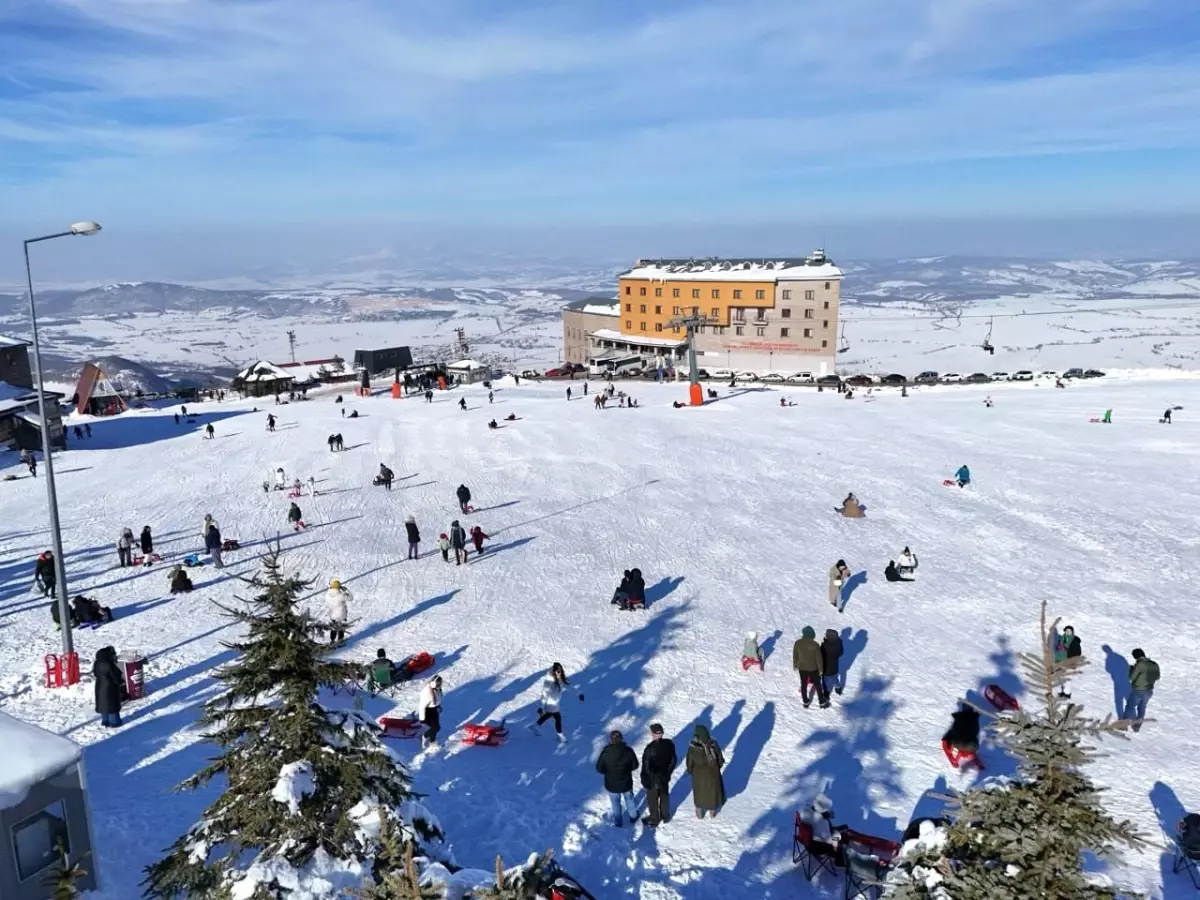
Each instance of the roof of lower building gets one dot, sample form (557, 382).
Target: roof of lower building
(28, 756)
(814, 267)
(596, 306)
(6, 341)
(608, 334)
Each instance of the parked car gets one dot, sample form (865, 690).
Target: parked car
(721, 374)
(1023, 375)
(748, 376)
(999, 376)
(894, 379)
(1093, 373)
(929, 377)
(773, 377)
(952, 378)
(557, 372)
(829, 380)
(530, 373)
(860, 380)
(702, 373)
(977, 378)
(801, 378)
(1073, 373)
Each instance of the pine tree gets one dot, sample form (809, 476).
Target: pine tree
(63, 880)
(530, 881)
(1028, 838)
(303, 783)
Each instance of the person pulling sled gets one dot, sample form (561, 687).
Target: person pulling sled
(463, 493)
(385, 477)
(296, 518)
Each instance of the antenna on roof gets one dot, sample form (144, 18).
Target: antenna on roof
(292, 344)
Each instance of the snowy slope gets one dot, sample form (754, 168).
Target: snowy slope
(728, 512)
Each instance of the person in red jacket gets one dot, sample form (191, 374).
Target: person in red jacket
(477, 538)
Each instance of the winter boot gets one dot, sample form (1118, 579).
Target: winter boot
(562, 738)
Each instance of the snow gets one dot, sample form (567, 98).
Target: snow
(466, 365)
(6, 341)
(295, 783)
(727, 510)
(609, 334)
(778, 270)
(597, 309)
(28, 756)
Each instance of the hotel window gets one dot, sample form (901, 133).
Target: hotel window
(739, 315)
(643, 326)
(695, 293)
(695, 310)
(642, 291)
(787, 295)
(628, 324)
(716, 293)
(826, 306)
(760, 295)
(783, 332)
(739, 330)
(808, 332)
(760, 315)
(628, 307)
(808, 314)
(827, 285)
(785, 313)
(658, 326)
(824, 343)
(658, 310)
(808, 295)
(658, 292)
(674, 310)
(628, 289)
(737, 295)
(716, 312)
(674, 292)
(643, 309)
(824, 323)
(675, 328)
(761, 332)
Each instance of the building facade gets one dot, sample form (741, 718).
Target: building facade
(14, 362)
(20, 419)
(764, 315)
(581, 318)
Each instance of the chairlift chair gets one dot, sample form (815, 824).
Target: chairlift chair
(843, 344)
(987, 341)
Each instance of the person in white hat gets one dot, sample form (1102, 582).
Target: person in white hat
(826, 838)
(336, 599)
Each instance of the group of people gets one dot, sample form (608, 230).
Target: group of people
(126, 543)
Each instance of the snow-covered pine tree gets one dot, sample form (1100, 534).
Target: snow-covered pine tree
(1027, 837)
(62, 882)
(304, 784)
(530, 881)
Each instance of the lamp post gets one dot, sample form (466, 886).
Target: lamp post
(84, 229)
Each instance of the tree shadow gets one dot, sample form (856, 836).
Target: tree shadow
(662, 589)
(1117, 667)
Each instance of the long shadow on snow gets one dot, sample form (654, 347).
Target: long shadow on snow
(533, 786)
(1169, 811)
(576, 506)
(114, 432)
(1117, 667)
(768, 645)
(497, 506)
(853, 583)
(997, 759)
(489, 552)
(662, 589)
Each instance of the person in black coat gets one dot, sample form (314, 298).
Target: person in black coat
(86, 611)
(617, 763)
(464, 497)
(414, 538)
(831, 655)
(110, 687)
(658, 763)
(891, 573)
(458, 540)
(147, 541)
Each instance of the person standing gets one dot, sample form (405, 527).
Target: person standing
(464, 498)
(491, 397)
(336, 599)
(1066, 647)
(429, 710)
(553, 688)
(704, 762)
(146, 541)
(658, 764)
(477, 538)
(617, 763)
(839, 574)
(110, 687)
(806, 660)
(1143, 675)
(585, 388)
(444, 545)
(458, 540)
(125, 548)
(414, 538)
(296, 518)
(568, 393)
(831, 655)
(44, 573)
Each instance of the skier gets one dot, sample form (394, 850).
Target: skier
(1066, 646)
(458, 540)
(462, 404)
(110, 687)
(751, 653)
(209, 432)
(125, 548)
(891, 573)
(554, 686)
(336, 599)
(44, 573)
(296, 518)
(961, 742)
(659, 760)
(1143, 675)
(831, 655)
(1165, 420)
(568, 393)
(851, 508)
(270, 422)
(414, 538)
(147, 543)
(429, 710)
(907, 563)
(704, 762)
(617, 763)
(464, 498)
(839, 574)
(444, 545)
(477, 538)
(963, 476)
(806, 660)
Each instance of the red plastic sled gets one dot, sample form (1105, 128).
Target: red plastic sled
(485, 735)
(959, 758)
(418, 663)
(154, 557)
(1000, 698)
(407, 727)
(950, 482)
(748, 661)
(293, 494)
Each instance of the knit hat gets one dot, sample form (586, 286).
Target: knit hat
(335, 584)
(656, 729)
(808, 632)
(443, 536)
(752, 635)
(702, 733)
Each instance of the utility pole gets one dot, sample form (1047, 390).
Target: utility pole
(292, 343)
(690, 323)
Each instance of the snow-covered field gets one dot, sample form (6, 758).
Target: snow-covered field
(728, 510)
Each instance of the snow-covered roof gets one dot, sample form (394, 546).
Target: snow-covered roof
(815, 267)
(13, 392)
(264, 371)
(466, 365)
(596, 306)
(313, 370)
(28, 756)
(6, 341)
(608, 334)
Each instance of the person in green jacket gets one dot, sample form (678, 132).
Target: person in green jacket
(1143, 675)
(1107, 420)
(704, 762)
(806, 660)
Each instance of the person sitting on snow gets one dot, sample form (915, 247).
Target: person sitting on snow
(961, 741)
(511, 417)
(851, 508)
(751, 650)
(891, 573)
(180, 583)
(962, 476)
(492, 424)
(907, 563)
(87, 611)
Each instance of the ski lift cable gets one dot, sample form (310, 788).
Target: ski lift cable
(1043, 312)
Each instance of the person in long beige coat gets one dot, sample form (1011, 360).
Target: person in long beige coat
(850, 508)
(839, 574)
(704, 762)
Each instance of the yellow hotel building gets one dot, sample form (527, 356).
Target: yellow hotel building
(765, 315)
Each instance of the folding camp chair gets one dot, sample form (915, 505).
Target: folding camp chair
(1183, 862)
(811, 855)
(868, 860)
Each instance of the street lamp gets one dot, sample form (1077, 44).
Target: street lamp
(84, 229)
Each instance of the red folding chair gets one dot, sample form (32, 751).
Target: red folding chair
(811, 855)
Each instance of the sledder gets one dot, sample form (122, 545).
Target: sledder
(961, 478)
(961, 742)
(631, 593)
(752, 654)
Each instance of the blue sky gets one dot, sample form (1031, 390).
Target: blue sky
(199, 114)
